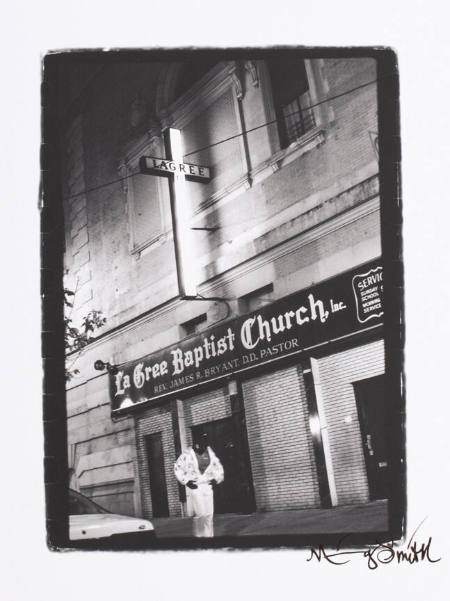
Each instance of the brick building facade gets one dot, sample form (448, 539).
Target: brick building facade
(293, 202)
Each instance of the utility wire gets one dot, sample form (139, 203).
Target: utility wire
(301, 110)
(100, 186)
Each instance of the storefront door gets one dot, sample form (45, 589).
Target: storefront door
(157, 475)
(371, 404)
(234, 495)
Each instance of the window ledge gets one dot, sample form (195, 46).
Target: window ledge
(150, 245)
(234, 189)
(313, 138)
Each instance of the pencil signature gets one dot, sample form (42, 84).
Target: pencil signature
(381, 553)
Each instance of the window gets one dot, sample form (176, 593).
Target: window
(147, 196)
(195, 325)
(256, 299)
(146, 212)
(291, 96)
(192, 71)
(202, 103)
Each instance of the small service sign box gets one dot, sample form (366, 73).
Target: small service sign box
(166, 167)
(368, 290)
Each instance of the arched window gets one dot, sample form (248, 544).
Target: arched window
(190, 72)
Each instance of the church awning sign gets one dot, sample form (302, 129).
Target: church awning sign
(166, 167)
(340, 306)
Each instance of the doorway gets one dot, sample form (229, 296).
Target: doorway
(235, 494)
(372, 412)
(157, 475)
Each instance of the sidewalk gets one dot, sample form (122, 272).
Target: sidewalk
(370, 517)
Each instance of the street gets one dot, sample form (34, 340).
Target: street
(368, 517)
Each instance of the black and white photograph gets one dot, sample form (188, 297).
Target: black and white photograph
(232, 295)
(224, 300)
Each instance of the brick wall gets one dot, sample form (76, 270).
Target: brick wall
(336, 374)
(157, 419)
(310, 257)
(283, 468)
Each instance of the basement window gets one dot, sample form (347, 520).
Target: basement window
(256, 299)
(195, 325)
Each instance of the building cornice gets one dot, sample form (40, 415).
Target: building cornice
(301, 210)
(292, 245)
